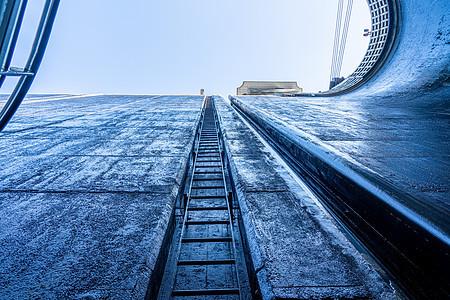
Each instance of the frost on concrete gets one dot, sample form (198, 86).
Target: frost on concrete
(296, 249)
(403, 143)
(86, 190)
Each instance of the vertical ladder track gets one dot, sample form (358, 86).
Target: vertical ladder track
(206, 263)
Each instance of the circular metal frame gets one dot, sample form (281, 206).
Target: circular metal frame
(385, 17)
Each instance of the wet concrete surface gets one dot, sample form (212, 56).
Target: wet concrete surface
(403, 141)
(296, 249)
(87, 187)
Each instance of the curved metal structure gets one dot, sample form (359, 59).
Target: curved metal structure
(408, 50)
(11, 13)
(385, 15)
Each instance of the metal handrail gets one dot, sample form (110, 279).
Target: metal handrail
(11, 22)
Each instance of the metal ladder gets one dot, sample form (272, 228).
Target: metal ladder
(206, 257)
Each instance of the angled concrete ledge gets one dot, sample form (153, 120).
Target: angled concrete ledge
(365, 195)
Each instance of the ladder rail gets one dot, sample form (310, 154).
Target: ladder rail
(190, 184)
(229, 201)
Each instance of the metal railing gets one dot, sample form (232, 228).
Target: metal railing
(11, 17)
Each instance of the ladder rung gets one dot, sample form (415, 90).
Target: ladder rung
(203, 152)
(206, 262)
(208, 172)
(215, 160)
(208, 166)
(208, 160)
(207, 222)
(231, 291)
(208, 197)
(212, 187)
(206, 240)
(15, 71)
(198, 208)
(208, 179)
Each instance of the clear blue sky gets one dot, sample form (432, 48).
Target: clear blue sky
(179, 46)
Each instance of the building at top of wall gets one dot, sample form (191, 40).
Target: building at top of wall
(268, 88)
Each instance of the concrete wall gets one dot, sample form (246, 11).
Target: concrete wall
(87, 189)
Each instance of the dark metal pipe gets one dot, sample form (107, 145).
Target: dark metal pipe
(33, 63)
